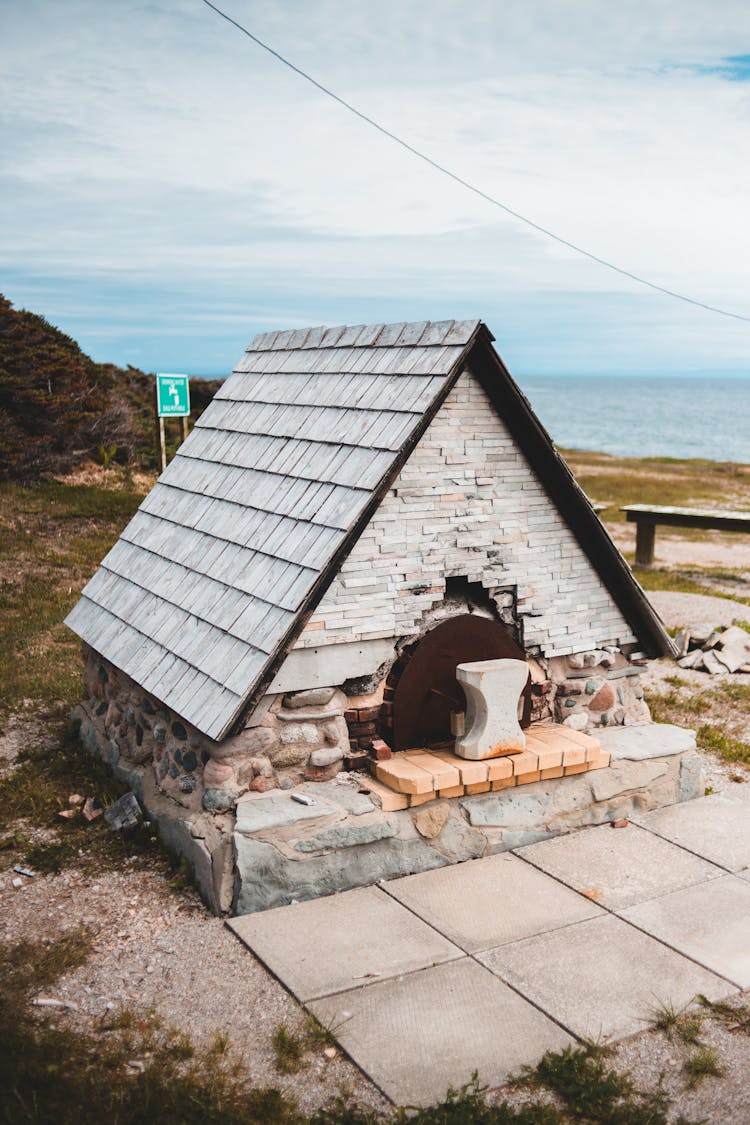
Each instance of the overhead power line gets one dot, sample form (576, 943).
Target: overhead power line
(467, 184)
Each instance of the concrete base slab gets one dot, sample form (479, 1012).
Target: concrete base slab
(331, 944)
(651, 740)
(489, 902)
(717, 828)
(710, 923)
(601, 978)
(619, 867)
(419, 1034)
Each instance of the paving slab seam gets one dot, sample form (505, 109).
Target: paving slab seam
(509, 941)
(640, 929)
(610, 909)
(472, 957)
(689, 851)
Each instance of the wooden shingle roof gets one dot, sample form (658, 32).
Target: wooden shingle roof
(236, 542)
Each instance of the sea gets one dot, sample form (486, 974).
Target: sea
(645, 416)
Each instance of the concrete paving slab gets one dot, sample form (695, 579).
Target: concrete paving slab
(419, 1034)
(619, 867)
(716, 827)
(650, 740)
(601, 978)
(710, 923)
(489, 902)
(331, 944)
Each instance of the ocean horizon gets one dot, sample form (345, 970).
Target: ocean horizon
(684, 416)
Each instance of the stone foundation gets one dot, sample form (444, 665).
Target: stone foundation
(271, 850)
(286, 852)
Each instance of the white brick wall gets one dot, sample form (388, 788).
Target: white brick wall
(467, 503)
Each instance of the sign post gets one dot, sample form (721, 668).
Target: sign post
(172, 401)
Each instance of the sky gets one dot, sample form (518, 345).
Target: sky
(168, 188)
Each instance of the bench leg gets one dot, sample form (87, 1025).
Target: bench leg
(645, 534)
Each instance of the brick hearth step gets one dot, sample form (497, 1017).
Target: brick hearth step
(414, 777)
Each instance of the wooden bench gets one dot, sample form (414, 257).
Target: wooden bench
(646, 518)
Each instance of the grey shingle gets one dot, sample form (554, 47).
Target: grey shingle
(210, 576)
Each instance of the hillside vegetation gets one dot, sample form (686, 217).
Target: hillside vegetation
(59, 409)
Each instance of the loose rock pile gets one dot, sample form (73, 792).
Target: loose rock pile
(716, 651)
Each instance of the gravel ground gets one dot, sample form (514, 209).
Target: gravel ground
(158, 948)
(698, 610)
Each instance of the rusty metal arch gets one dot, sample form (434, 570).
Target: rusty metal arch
(427, 690)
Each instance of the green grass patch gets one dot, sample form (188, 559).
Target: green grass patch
(664, 481)
(52, 538)
(39, 789)
(684, 582)
(700, 1064)
(716, 737)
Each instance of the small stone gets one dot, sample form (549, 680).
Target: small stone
(219, 800)
(287, 756)
(216, 774)
(579, 721)
(331, 733)
(125, 813)
(285, 783)
(604, 698)
(189, 761)
(713, 665)
(187, 783)
(575, 660)
(179, 732)
(300, 732)
(313, 697)
(262, 766)
(326, 757)
(621, 822)
(591, 687)
(160, 733)
(258, 784)
(430, 820)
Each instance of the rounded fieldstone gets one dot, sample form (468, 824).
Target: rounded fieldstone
(591, 686)
(430, 820)
(160, 733)
(148, 706)
(179, 732)
(312, 697)
(174, 770)
(326, 757)
(604, 698)
(138, 734)
(188, 783)
(189, 760)
(219, 800)
(177, 756)
(300, 732)
(287, 756)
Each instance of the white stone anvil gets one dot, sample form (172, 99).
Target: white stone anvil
(492, 689)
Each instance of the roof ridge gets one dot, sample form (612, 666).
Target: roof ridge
(417, 333)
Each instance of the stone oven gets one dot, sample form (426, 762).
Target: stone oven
(358, 512)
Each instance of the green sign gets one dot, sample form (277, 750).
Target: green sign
(172, 396)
